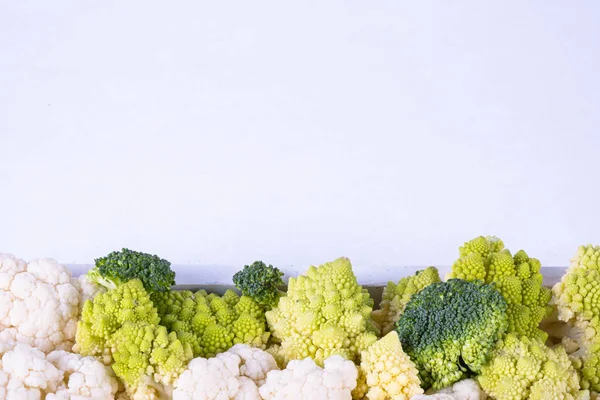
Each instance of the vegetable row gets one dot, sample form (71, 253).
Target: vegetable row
(489, 329)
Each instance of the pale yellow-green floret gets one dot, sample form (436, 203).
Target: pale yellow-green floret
(325, 312)
(386, 372)
(525, 368)
(396, 295)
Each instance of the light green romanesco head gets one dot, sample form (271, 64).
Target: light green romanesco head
(386, 372)
(396, 295)
(525, 368)
(107, 312)
(325, 312)
(516, 276)
(211, 324)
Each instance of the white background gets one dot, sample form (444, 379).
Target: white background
(218, 133)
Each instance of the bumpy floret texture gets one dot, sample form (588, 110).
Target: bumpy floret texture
(525, 368)
(517, 277)
(577, 297)
(467, 389)
(325, 312)
(211, 324)
(386, 372)
(146, 356)
(396, 295)
(449, 330)
(87, 289)
(260, 282)
(119, 267)
(38, 303)
(107, 312)
(27, 373)
(234, 374)
(304, 379)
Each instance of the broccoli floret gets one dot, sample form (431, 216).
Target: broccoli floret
(121, 266)
(396, 296)
(525, 368)
(449, 330)
(261, 282)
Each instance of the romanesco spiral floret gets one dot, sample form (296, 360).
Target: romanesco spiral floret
(449, 330)
(107, 312)
(517, 277)
(212, 324)
(325, 312)
(396, 296)
(386, 372)
(525, 368)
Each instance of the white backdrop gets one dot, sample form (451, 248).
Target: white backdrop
(218, 133)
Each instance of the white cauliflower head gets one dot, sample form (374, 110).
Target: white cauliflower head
(303, 379)
(234, 374)
(38, 303)
(467, 389)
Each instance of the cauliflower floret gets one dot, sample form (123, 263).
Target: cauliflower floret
(38, 303)
(306, 380)
(467, 389)
(87, 289)
(233, 374)
(386, 372)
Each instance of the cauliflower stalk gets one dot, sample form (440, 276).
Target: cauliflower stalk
(396, 295)
(525, 368)
(304, 379)
(325, 312)
(27, 373)
(38, 303)
(234, 374)
(517, 277)
(467, 389)
(211, 324)
(386, 372)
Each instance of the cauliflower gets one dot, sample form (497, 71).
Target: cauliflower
(38, 303)
(386, 372)
(325, 312)
(87, 289)
(525, 368)
(234, 374)
(211, 324)
(517, 277)
(467, 389)
(27, 373)
(306, 380)
(396, 296)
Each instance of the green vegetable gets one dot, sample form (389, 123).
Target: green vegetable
(517, 277)
(261, 283)
(525, 368)
(211, 324)
(449, 330)
(121, 266)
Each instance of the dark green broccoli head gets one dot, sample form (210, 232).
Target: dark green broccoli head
(260, 282)
(121, 266)
(449, 330)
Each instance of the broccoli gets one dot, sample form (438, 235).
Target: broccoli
(121, 266)
(261, 283)
(449, 330)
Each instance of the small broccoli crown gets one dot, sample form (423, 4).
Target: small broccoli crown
(325, 312)
(449, 329)
(396, 296)
(525, 368)
(261, 282)
(122, 266)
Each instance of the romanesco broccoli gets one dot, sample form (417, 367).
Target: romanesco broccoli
(261, 283)
(386, 372)
(325, 313)
(517, 277)
(449, 330)
(525, 368)
(119, 267)
(396, 296)
(211, 324)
